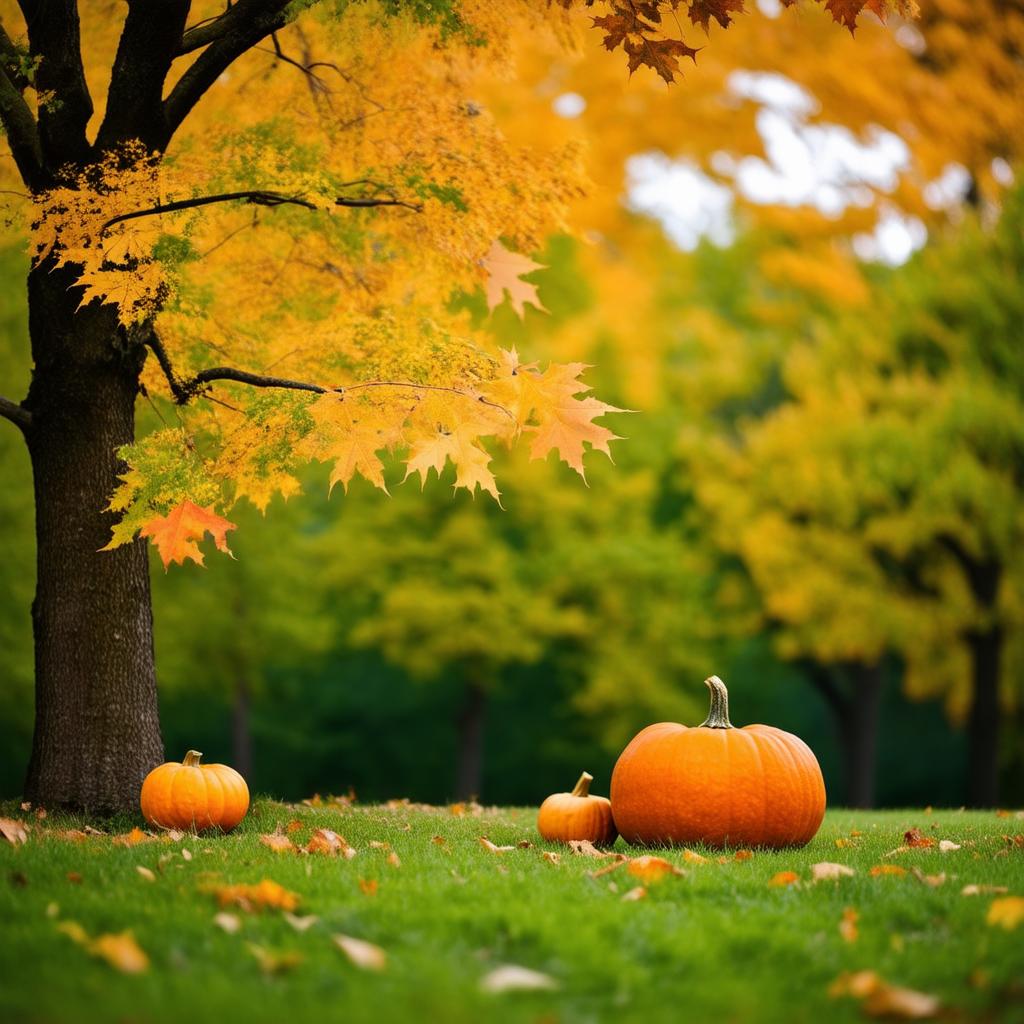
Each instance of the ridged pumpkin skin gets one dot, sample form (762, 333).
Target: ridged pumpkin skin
(194, 796)
(718, 785)
(577, 815)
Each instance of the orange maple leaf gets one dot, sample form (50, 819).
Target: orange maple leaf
(176, 533)
(504, 272)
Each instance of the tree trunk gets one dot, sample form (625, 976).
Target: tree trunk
(855, 712)
(983, 722)
(470, 724)
(97, 729)
(241, 730)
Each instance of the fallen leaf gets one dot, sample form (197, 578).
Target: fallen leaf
(783, 878)
(848, 925)
(74, 878)
(513, 978)
(40, 814)
(299, 923)
(133, 838)
(614, 866)
(186, 854)
(376, 844)
(15, 832)
(278, 842)
(585, 848)
(229, 923)
(855, 832)
(551, 857)
(743, 855)
(457, 810)
(692, 857)
(524, 844)
(842, 843)
(887, 869)
(825, 871)
(393, 859)
(1006, 912)
(121, 951)
(266, 894)
(651, 869)
(74, 931)
(913, 839)
(932, 880)
(439, 840)
(329, 843)
(633, 895)
(293, 826)
(90, 831)
(368, 886)
(364, 955)
(69, 835)
(946, 846)
(491, 848)
(272, 962)
(983, 890)
(52, 909)
(880, 999)
(145, 873)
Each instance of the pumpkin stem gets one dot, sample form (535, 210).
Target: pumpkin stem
(718, 716)
(191, 759)
(582, 788)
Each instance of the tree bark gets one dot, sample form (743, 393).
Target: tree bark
(470, 726)
(97, 729)
(984, 719)
(855, 711)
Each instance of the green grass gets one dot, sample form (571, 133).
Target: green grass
(717, 944)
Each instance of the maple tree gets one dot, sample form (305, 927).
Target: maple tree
(291, 192)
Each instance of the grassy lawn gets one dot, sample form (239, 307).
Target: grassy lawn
(716, 943)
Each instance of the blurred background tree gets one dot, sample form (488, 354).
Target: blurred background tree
(819, 497)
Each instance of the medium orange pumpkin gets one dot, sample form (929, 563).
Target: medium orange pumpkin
(194, 796)
(577, 815)
(715, 784)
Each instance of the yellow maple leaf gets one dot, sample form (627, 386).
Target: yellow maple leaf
(460, 444)
(504, 274)
(175, 534)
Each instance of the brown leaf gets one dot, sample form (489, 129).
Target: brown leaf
(848, 925)
(551, 857)
(393, 859)
(74, 878)
(145, 872)
(743, 855)
(946, 846)
(368, 886)
(364, 955)
(585, 848)
(784, 878)
(827, 872)
(175, 535)
(266, 894)
(652, 869)
(15, 832)
(880, 999)
(513, 978)
(887, 869)
(272, 962)
(121, 951)
(69, 835)
(133, 838)
(278, 842)
(491, 848)
(915, 839)
(329, 843)
(931, 880)
(633, 895)
(439, 840)
(293, 826)
(983, 890)
(692, 857)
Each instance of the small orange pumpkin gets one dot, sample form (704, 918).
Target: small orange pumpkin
(577, 815)
(194, 796)
(715, 784)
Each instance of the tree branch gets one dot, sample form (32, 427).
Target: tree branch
(22, 132)
(12, 61)
(239, 29)
(256, 197)
(148, 45)
(17, 414)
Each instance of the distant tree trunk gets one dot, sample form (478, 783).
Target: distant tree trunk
(97, 730)
(241, 730)
(855, 711)
(470, 727)
(984, 719)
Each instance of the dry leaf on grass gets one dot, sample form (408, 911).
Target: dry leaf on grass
(15, 832)
(585, 848)
(826, 871)
(74, 877)
(121, 951)
(848, 925)
(271, 962)
(439, 841)
(652, 869)
(145, 873)
(743, 855)
(983, 890)
(393, 859)
(513, 978)
(68, 835)
(784, 878)
(946, 846)
(633, 895)
(914, 839)
(329, 843)
(692, 857)
(278, 842)
(362, 954)
(266, 894)
(368, 886)
(293, 826)
(931, 880)
(492, 848)
(551, 857)
(1006, 912)
(186, 854)
(842, 843)
(229, 923)
(133, 838)
(880, 999)
(299, 923)
(887, 869)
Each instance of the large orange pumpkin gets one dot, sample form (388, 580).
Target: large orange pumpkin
(715, 784)
(194, 796)
(577, 815)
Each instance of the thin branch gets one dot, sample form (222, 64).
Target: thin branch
(17, 414)
(257, 198)
(193, 385)
(22, 132)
